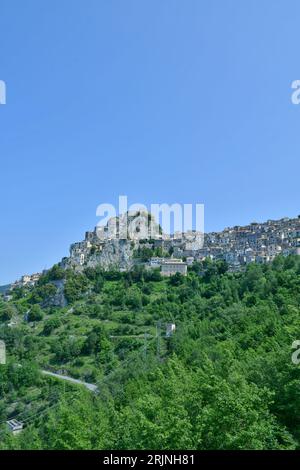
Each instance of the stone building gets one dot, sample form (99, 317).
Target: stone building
(238, 246)
(173, 266)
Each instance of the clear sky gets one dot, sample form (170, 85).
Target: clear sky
(161, 100)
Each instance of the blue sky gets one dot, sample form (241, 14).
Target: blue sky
(164, 101)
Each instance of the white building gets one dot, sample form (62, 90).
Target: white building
(170, 329)
(14, 426)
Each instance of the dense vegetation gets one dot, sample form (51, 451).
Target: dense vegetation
(224, 380)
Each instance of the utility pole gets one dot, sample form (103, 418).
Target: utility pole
(145, 347)
(158, 337)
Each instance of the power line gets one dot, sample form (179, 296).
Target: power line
(53, 403)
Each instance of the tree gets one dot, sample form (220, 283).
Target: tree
(7, 311)
(176, 280)
(35, 313)
(76, 285)
(51, 325)
(99, 283)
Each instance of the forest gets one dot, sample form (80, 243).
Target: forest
(224, 379)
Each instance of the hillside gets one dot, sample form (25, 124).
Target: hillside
(223, 380)
(4, 289)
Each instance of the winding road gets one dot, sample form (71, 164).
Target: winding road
(91, 387)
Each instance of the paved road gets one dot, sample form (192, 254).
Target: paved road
(91, 387)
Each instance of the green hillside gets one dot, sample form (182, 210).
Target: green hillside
(224, 380)
(4, 289)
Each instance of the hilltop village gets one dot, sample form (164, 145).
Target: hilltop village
(112, 247)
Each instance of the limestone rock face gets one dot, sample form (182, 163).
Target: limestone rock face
(115, 254)
(109, 254)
